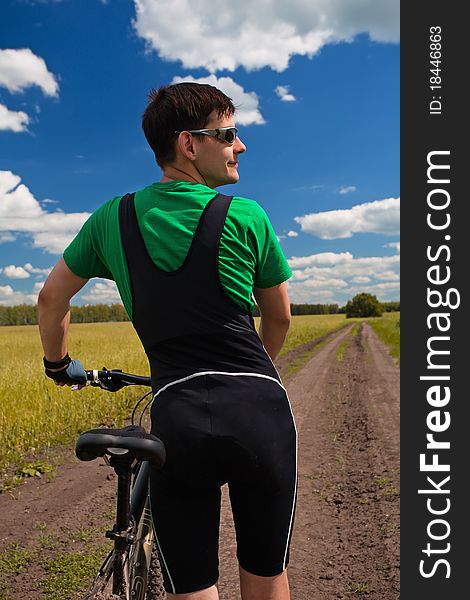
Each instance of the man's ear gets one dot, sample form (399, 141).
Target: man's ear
(186, 146)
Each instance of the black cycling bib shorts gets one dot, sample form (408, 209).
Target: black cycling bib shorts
(219, 407)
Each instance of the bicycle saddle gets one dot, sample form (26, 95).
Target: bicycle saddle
(131, 440)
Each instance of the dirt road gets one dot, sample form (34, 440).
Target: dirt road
(346, 534)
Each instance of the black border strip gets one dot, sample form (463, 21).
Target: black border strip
(433, 134)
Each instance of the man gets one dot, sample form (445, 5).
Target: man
(186, 262)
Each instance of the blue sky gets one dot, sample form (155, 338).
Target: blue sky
(317, 86)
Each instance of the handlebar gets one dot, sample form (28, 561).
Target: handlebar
(114, 380)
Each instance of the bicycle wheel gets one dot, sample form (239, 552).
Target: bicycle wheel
(145, 577)
(155, 589)
(141, 569)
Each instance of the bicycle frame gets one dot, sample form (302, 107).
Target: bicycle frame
(125, 532)
(140, 490)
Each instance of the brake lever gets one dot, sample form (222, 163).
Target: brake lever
(110, 385)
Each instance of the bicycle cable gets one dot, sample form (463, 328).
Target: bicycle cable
(137, 406)
(145, 408)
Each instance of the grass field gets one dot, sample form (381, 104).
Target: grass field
(387, 328)
(36, 415)
(305, 328)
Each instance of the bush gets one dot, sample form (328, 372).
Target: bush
(363, 305)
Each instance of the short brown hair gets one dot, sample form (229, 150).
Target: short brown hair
(180, 107)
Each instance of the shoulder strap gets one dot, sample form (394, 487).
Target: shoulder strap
(211, 223)
(131, 236)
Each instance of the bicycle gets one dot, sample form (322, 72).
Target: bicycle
(131, 571)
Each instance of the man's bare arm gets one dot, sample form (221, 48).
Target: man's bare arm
(54, 309)
(274, 307)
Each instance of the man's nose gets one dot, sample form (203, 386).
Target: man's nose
(239, 146)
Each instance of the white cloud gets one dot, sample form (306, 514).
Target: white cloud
(6, 291)
(337, 277)
(13, 272)
(380, 216)
(256, 35)
(283, 93)
(20, 212)
(246, 103)
(10, 297)
(38, 287)
(370, 266)
(6, 237)
(384, 287)
(21, 68)
(395, 245)
(35, 270)
(388, 276)
(347, 189)
(323, 259)
(324, 283)
(101, 291)
(95, 292)
(292, 234)
(11, 120)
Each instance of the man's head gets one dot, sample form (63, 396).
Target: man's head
(171, 123)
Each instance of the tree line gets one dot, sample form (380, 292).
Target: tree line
(309, 309)
(26, 314)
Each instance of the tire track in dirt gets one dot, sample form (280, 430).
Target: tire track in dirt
(345, 538)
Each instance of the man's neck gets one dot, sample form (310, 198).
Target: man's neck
(173, 173)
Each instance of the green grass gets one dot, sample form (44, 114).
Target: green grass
(35, 414)
(386, 484)
(67, 573)
(387, 327)
(383, 482)
(358, 588)
(341, 350)
(12, 562)
(66, 562)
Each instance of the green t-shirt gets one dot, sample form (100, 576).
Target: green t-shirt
(168, 214)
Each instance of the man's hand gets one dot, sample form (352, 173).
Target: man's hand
(72, 374)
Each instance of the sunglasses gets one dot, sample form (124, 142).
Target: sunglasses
(225, 134)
